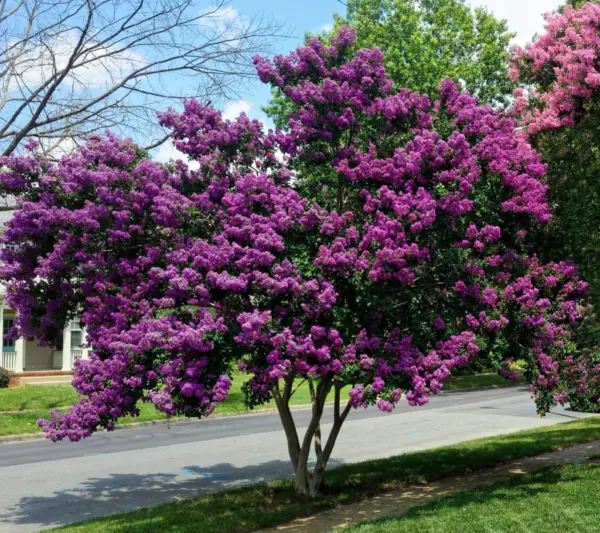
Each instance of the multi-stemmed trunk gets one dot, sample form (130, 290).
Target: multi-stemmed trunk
(309, 481)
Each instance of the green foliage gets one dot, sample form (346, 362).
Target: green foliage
(425, 41)
(496, 349)
(573, 158)
(4, 378)
(582, 403)
(576, 3)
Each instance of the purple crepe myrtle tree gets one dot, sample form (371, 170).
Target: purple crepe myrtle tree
(377, 244)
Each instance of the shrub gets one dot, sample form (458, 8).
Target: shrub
(4, 378)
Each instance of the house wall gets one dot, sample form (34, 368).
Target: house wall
(38, 357)
(23, 355)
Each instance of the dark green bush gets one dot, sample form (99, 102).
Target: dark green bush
(4, 378)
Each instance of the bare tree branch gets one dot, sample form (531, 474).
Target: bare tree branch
(72, 67)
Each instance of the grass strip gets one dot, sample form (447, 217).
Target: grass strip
(553, 500)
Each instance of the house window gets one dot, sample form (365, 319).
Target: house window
(75, 339)
(8, 345)
(76, 336)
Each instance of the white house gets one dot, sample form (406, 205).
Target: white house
(26, 356)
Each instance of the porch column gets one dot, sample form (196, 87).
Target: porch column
(85, 352)
(20, 345)
(66, 355)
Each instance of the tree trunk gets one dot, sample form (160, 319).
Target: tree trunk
(307, 482)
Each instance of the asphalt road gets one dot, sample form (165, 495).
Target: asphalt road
(45, 484)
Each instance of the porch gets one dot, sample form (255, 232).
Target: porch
(26, 356)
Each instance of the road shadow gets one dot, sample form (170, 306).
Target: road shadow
(116, 493)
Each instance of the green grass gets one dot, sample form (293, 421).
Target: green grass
(37, 397)
(249, 509)
(26, 421)
(31, 402)
(21, 423)
(554, 500)
(36, 401)
(477, 380)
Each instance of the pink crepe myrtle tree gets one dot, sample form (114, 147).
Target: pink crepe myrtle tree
(559, 113)
(563, 68)
(376, 244)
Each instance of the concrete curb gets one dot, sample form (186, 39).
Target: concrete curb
(22, 437)
(177, 421)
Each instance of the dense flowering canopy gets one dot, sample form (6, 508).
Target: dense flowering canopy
(559, 114)
(378, 243)
(564, 64)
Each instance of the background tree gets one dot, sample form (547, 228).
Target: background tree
(70, 68)
(425, 41)
(560, 110)
(377, 244)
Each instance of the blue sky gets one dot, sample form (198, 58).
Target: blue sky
(524, 18)
(299, 17)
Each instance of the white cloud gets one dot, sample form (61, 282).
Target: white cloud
(36, 64)
(234, 109)
(325, 28)
(223, 23)
(57, 147)
(524, 17)
(221, 15)
(167, 152)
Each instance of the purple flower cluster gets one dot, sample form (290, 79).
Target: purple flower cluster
(179, 275)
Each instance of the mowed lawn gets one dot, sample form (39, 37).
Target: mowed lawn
(22, 407)
(555, 500)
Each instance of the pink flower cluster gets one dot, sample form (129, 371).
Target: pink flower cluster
(564, 62)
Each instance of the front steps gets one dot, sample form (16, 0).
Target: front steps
(47, 378)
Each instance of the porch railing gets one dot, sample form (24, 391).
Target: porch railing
(76, 354)
(9, 360)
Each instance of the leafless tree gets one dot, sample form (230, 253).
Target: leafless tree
(69, 68)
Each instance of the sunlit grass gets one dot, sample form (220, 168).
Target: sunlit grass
(555, 500)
